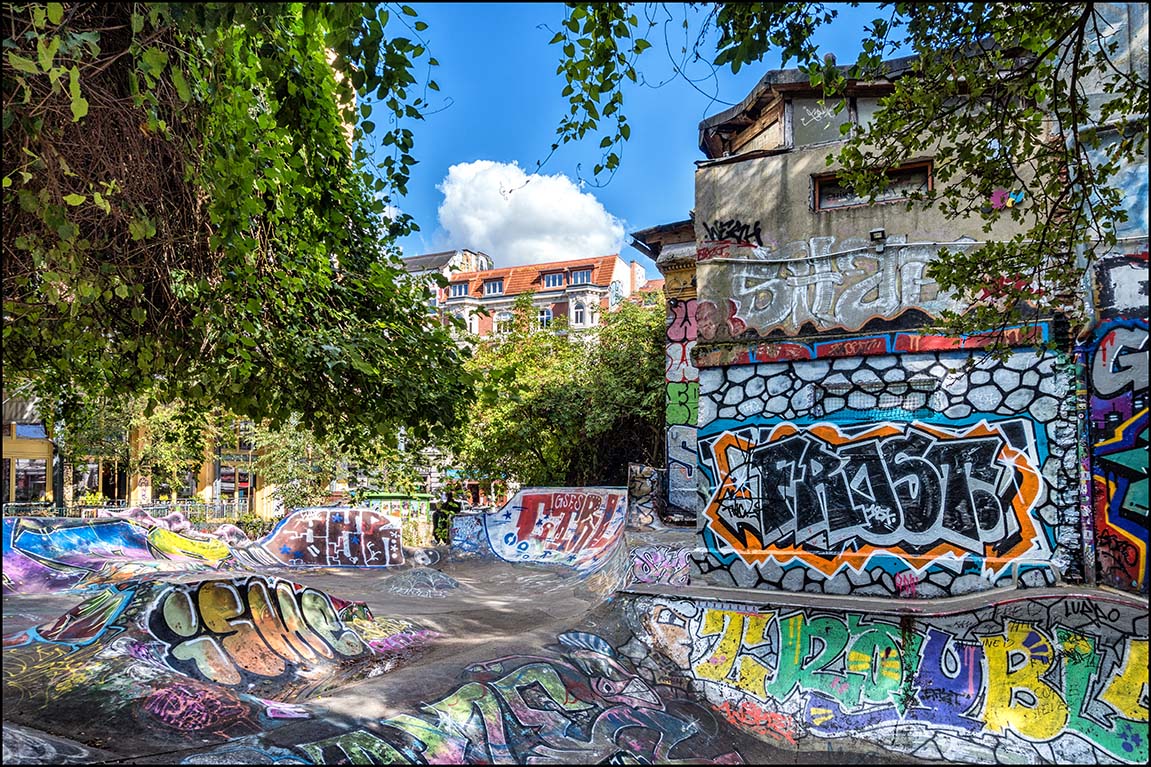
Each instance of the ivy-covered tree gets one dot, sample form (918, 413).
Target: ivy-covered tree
(1040, 97)
(191, 213)
(564, 407)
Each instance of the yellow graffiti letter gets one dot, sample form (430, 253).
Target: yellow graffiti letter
(1017, 696)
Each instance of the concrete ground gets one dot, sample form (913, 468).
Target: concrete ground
(496, 610)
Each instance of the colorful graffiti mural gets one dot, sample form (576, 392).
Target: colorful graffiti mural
(53, 554)
(1118, 372)
(682, 398)
(1036, 682)
(332, 537)
(575, 527)
(245, 631)
(902, 475)
(829, 496)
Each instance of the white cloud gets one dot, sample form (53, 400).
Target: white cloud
(518, 218)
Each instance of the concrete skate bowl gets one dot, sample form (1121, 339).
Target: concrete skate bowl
(1058, 676)
(149, 667)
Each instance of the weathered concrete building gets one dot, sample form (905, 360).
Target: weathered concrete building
(879, 494)
(843, 449)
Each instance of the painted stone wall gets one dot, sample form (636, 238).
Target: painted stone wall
(896, 474)
(1116, 367)
(1043, 680)
(682, 403)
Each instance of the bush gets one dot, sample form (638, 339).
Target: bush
(255, 526)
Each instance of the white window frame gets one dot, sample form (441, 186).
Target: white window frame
(458, 289)
(544, 317)
(494, 287)
(580, 277)
(554, 280)
(504, 321)
(578, 314)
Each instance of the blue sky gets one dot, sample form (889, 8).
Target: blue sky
(499, 104)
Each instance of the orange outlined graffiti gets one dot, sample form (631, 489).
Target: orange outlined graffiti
(917, 491)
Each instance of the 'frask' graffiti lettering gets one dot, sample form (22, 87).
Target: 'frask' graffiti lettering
(917, 490)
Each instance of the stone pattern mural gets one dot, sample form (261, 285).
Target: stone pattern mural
(577, 527)
(1117, 369)
(682, 404)
(895, 475)
(1055, 680)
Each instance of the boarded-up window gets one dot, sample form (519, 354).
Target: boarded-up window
(832, 193)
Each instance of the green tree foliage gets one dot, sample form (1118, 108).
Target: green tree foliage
(1031, 97)
(300, 466)
(562, 407)
(173, 439)
(191, 214)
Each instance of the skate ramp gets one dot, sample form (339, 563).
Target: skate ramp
(329, 536)
(573, 527)
(52, 554)
(143, 667)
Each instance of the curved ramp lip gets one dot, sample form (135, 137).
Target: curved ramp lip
(936, 606)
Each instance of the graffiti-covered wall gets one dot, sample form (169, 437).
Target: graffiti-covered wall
(900, 475)
(1115, 365)
(682, 403)
(1045, 680)
(577, 527)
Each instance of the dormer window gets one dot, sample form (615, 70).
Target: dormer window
(459, 289)
(494, 287)
(554, 280)
(581, 277)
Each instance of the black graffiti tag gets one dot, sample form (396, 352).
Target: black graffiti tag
(912, 490)
(734, 229)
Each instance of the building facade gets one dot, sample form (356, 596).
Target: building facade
(840, 446)
(579, 290)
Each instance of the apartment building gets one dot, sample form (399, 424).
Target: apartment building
(579, 290)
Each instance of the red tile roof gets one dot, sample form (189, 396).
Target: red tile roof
(529, 278)
(651, 286)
